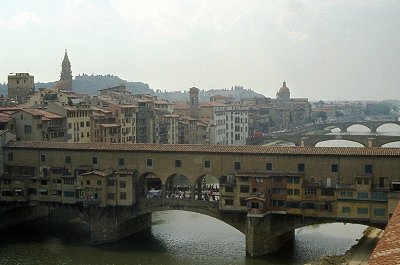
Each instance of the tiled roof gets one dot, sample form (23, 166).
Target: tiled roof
(193, 148)
(387, 251)
(4, 117)
(44, 114)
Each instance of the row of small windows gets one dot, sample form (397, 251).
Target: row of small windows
(207, 164)
(361, 210)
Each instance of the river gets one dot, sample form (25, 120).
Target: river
(176, 237)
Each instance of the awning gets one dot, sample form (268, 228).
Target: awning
(42, 190)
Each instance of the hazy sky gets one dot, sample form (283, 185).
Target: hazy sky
(323, 49)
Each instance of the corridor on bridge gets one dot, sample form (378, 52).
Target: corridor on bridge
(178, 186)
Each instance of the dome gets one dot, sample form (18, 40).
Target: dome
(284, 88)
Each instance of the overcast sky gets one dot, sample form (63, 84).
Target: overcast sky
(331, 50)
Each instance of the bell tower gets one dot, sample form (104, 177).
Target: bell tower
(66, 73)
(194, 102)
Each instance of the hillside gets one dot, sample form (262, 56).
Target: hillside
(90, 84)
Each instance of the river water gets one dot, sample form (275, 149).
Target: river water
(176, 237)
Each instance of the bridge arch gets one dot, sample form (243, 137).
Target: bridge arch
(178, 185)
(388, 128)
(339, 143)
(147, 182)
(207, 187)
(392, 144)
(357, 128)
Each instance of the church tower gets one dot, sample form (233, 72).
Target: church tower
(194, 102)
(66, 73)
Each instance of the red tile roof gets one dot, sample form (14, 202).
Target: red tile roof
(193, 148)
(387, 251)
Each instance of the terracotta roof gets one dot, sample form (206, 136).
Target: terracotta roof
(4, 117)
(43, 113)
(387, 251)
(181, 106)
(193, 148)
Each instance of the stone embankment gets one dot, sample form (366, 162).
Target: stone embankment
(358, 254)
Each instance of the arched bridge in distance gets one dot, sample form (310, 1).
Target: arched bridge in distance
(264, 192)
(301, 139)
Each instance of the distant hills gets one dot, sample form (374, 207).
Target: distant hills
(90, 84)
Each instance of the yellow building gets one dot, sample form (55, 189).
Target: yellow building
(78, 121)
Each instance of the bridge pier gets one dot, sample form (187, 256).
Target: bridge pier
(112, 224)
(263, 237)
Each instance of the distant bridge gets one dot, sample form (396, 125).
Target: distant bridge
(312, 140)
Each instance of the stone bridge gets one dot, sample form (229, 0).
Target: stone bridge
(312, 140)
(263, 235)
(108, 224)
(372, 125)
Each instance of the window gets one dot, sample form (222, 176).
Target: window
(82, 124)
(268, 166)
(94, 160)
(327, 192)
(243, 202)
(301, 167)
(99, 183)
(68, 159)
(28, 128)
(10, 156)
(228, 202)
(56, 192)
(87, 182)
(237, 165)
(379, 212)
(293, 192)
(88, 124)
(69, 181)
(178, 163)
(207, 164)
(381, 182)
(149, 162)
(295, 180)
(111, 196)
(362, 210)
(42, 158)
(122, 195)
(345, 209)
(334, 168)
(122, 184)
(228, 189)
(121, 161)
(69, 194)
(310, 191)
(368, 169)
(362, 195)
(111, 182)
(244, 189)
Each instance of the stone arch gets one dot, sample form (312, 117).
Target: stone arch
(392, 144)
(207, 187)
(395, 127)
(359, 126)
(178, 186)
(339, 143)
(149, 185)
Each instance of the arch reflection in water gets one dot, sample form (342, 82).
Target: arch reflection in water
(338, 143)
